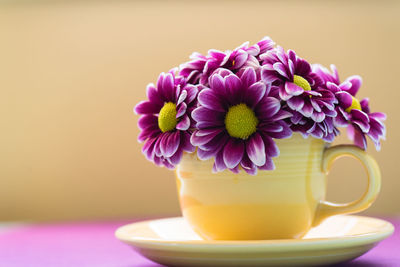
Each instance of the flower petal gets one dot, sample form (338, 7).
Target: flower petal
(315, 105)
(149, 127)
(185, 142)
(271, 149)
(355, 134)
(255, 149)
(378, 115)
(296, 118)
(345, 99)
(148, 121)
(248, 77)
(222, 72)
(268, 107)
(307, 110)
(148, 133)
(219, 164)
(201, 137)
(181, 110)
(148, 148)
(217, 143)
(235, 170)
(293, 89)
(296, 103)
(280, 68)
(303, 68)
(210, 100)
(361, 119)
(191, 93)
(233, 85)
(356, 82)
(281, 115)
(147, 107)
(233, 152)
(316, 131)
(365, 105)
(160, 82)
(157, 146)
(240, 59)
(318, 116)
(268, 166)
(205, 154)
(254, 94)
(283, 94)
(286, 132)
(182, 97)
(168, 88)
(184, 124)
(176, 157)
(153, 96)
(219, 55)
(247, 164)
(377, 131)
(217, 85)
(271, 127)
(170, 143)
(341, 120)
(214, 118)
(267, 75)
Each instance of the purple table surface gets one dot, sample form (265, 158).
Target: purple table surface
(94, 244)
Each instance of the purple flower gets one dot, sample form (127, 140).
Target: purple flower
(236, 122)
(352, 113)
(312, 105)
(165, 122)
(201, 67)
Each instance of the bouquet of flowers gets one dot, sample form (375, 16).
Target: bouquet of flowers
(230, 106)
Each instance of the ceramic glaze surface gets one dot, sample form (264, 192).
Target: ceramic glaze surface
(172, 242)
(284, 203)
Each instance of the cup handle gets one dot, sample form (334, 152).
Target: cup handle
(326, 208)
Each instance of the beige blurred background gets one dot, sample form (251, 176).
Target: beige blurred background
(71, 72)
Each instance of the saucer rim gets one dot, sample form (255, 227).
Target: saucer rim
(255, 245)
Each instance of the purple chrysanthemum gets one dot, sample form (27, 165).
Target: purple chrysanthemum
(236, 122)
(312, 105)
(165, 120)
(201, 67)
(352, 113)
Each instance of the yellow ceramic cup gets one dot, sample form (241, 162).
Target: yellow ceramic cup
(284, 203)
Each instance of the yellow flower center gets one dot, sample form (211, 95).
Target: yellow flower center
(303, 83)
(240, 121)
(355, 104)
(167, 117)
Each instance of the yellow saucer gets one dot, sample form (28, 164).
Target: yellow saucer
(172, 242)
